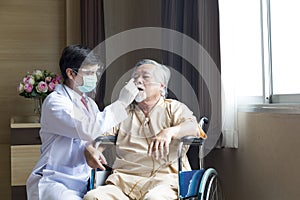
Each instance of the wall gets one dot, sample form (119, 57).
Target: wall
(32, 35)
(266, 164)
(73, 29)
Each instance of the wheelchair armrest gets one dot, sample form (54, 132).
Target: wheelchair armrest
(191, 140)
(109, 139)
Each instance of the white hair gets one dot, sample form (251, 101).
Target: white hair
(165, 73)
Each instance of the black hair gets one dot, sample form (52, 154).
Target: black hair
(75, 56)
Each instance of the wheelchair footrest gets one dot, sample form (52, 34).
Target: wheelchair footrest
(189, 182)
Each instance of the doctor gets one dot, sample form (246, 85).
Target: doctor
(69, 122)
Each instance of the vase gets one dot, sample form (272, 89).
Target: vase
(38, 101)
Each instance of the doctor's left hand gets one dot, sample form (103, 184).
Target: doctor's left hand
(94, 157)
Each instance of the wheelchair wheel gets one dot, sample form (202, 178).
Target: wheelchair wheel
(210, 186)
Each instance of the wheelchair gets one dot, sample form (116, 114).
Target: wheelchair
(199, 184)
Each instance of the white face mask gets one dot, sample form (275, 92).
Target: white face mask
(89, 83)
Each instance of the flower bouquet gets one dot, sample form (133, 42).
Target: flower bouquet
(38, 85)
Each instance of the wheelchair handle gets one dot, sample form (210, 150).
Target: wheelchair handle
(202, 122)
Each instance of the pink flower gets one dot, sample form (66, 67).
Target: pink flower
(51, 86)
(42, 87)
(58, 78)
(28, 87)
(55, 82)
(29, 79)
(48, 79)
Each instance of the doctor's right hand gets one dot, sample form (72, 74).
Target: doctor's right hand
(128, 93)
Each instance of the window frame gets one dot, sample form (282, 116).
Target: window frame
(266, 33)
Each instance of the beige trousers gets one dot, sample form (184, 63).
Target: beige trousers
(112, 192)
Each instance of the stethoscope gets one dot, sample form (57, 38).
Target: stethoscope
(86, 99)
(67, 92)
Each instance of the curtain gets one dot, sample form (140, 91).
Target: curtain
(92, 34)
(199, 20)
(242, 61)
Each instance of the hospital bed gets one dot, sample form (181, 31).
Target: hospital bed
(198, 184)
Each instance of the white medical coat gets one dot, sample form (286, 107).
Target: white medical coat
(66, 127)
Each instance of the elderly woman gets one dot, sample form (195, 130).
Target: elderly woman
(146, 163)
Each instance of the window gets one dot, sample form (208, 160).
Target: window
(241, 51)
(285, 41)
(272, 72)
(247, 47)
(258, 40)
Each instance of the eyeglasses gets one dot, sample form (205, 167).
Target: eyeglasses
(96, 71)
